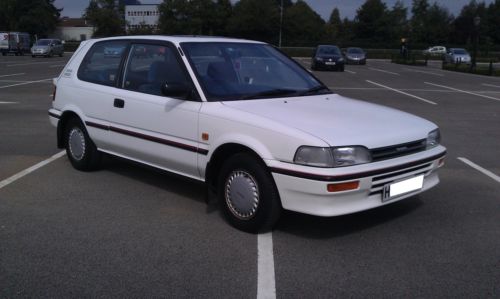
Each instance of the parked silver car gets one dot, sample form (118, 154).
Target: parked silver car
(457, 55)
(47, 48)
(355, 56)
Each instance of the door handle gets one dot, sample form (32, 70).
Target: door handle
(119, 103)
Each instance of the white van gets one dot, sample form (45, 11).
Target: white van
(14, 42)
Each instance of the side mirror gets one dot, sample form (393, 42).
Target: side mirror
(176, 90)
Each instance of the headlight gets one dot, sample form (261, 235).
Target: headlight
(341, 59)
(433, 139)
(314, 156)
(332, 157)
(350, 155)
(319, 59)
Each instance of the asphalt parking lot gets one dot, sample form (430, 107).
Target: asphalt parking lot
(132, 231)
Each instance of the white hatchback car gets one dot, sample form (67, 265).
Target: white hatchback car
(260, 130)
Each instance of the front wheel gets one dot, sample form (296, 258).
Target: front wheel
(248, 195)
(81, 151)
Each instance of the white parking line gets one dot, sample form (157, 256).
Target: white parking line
(18, 74)
(6, 103)
(383, 71)
(480, 169)
(464, 91)
(24, 83)
(491, 85)
(402, 92)
(27, 171)
(424, 72)
(266, 285)
(350, 72)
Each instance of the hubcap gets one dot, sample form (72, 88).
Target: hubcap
(242, 194)
(76, 142)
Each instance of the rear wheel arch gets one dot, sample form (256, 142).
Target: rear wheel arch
(61, 126)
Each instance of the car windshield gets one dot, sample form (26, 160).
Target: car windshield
(354, 51)
(459, 51)
(243, 71)
(43, 42)
(328, 50)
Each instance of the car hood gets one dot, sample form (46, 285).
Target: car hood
(341, 121)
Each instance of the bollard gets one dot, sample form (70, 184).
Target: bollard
(490, 70)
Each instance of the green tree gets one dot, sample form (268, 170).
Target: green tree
(398, 22)
(256, 19)
(188, 17)
(106, 16)
(493, 21)
(37, 17)
(439, 22)
(304, 27)
(333, 28)
(223, 12)
(371, 22)
(418, 21)
(463, 25)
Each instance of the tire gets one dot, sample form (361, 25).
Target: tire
(247, 194)
(313, 67)
(81, 151)
(341, 69)
(50, 54)
(61, 54)
(33, 56)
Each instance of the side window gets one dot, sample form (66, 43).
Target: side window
(150, 67)
(101, 64)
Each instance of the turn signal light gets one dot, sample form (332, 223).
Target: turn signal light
(337, 187)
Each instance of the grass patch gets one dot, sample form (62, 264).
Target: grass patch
(479, 70)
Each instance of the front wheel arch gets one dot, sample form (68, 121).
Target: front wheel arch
(247, 193)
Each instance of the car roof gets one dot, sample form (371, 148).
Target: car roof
(180, 38)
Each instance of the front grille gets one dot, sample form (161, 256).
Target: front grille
(380, 181)
(394, 151)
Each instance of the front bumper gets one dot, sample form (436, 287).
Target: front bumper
(356, 60)
(307, 193)
(329, 65)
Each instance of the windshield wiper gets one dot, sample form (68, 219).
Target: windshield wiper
(270, 93)
(316, 90)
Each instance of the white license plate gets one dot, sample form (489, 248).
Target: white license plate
(402, 187)
(330, 63)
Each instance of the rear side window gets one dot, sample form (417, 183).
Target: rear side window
(149, 67)
(102, 63)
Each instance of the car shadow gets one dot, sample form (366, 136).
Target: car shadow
(294, 223)
(170, 182)
(314, 227)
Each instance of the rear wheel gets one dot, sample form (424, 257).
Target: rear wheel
(81, 151)
(248, 195)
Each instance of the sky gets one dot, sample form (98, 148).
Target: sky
(75, 8)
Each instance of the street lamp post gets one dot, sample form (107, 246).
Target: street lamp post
(477, 21)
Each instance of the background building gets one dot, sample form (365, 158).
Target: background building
(144, 15)
(73, 29)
